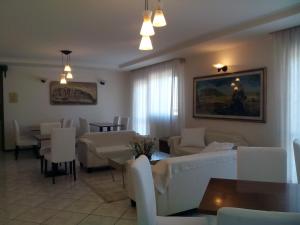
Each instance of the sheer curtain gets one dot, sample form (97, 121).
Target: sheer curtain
(158, 108)
(287, 74)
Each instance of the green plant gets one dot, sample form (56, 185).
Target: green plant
(142, 146)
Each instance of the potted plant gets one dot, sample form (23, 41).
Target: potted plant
(143, 146)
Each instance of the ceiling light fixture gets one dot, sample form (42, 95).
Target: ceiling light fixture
(147, 29)
(146, 44)
(159, 18)
(66, 60)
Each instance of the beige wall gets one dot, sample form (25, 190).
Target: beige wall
(248, 56)
(33, 104)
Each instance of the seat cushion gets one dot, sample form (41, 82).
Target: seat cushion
(188, 150)
(113, 151)
(27, 141)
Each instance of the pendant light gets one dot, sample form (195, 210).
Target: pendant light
(63, 79)
(147, 27)
(159, 18)
(145, 44)
(67, 73)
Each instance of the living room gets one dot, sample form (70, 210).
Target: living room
(169, 95)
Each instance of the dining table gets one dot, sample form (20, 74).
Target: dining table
(267, 196)
(107, 125)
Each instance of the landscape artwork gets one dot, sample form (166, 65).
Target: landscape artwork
(73, 93)
(238, 96)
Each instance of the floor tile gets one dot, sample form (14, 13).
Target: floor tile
(109, 210)
(98, 220)
(65, 218)
(19, 222)
(129, 214)
(126, 222)
(57, 203)
(81, 206)
(37, 215)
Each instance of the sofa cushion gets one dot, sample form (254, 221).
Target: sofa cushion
(218, 146)
(193, 137)
(113, 151)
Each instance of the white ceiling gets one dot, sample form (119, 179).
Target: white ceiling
(105, 33)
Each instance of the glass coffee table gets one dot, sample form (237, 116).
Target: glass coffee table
(119, 163)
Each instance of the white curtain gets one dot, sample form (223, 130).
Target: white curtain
(287, 74)
(158, 108)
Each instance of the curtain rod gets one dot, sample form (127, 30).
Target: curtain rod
(181, 60)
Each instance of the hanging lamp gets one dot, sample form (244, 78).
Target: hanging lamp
(159, 18)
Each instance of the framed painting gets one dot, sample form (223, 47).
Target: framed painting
(73, 93)
(235, 96)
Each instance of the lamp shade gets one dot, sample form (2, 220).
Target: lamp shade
(63, 79)
(69, 76)
(159, 18)
(67, 68)
(147, 27)
(146, 44)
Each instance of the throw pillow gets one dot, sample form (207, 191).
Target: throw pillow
(193, 137)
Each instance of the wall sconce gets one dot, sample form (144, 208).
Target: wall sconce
(43, 80)
(220, 67)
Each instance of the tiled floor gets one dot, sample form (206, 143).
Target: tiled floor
(27, 198)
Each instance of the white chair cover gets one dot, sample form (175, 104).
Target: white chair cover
(145, 198)
(267, 164)
(297, 157)
(124, 123)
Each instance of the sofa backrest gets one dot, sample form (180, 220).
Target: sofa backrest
(110, 138)
(211, 136)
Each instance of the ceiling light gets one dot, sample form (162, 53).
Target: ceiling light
(159, 18)
(63, 79)
(146, 44)
(67, 68)
(69, 76)
(147, 28)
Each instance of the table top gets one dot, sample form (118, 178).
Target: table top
(121, 161)
(266, 196)
(105, 124)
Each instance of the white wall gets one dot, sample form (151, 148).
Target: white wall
(247, 56)
(33, 104)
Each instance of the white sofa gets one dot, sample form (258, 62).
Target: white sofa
(93, 148)
(181, 181)
(210, 136)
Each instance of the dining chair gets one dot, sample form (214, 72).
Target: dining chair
(124, 123)
(62, 150)
(145, 198)
(116, 121)
(45, 130)
(237, 216)
(22, 141)
(267, 164)
(63, 122)
(297, 157)
(84, 126)
(68, 124)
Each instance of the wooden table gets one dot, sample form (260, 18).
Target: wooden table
(250, 195)
(108, 126)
